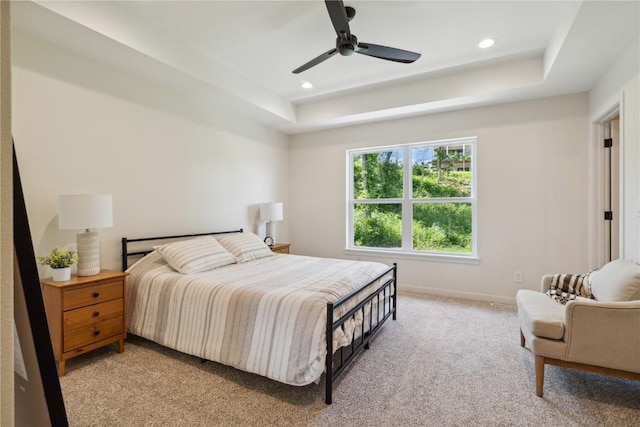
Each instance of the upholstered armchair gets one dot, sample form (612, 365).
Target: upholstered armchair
(599, 334)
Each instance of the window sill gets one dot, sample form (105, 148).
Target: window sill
(460, 259)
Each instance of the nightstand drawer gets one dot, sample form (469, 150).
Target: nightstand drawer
(92, 295)
(80, 317)
(90, 334)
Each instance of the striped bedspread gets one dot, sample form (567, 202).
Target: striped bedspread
(265, 316)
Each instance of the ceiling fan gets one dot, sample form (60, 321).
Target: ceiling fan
(347, 43)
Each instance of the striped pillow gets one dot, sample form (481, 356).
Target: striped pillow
(567, 287)
(245, 246)
(196, 255)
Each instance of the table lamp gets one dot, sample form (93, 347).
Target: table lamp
(86, 211)
(271, 212)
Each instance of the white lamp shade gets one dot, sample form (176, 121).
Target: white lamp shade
(271, 211)
(85, 211)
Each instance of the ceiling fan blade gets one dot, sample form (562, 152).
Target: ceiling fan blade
(338, 15)
(315, 61)
(388, 53)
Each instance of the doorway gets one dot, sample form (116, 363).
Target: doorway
(610, 130)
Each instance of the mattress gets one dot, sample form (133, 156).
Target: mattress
(266, 316)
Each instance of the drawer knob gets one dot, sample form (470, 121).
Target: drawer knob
(96, 314)
(96, 333)
(96, 294)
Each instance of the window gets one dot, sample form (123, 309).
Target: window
(415, 198)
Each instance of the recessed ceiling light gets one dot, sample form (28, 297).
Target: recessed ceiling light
(307, 85)
(486, 43)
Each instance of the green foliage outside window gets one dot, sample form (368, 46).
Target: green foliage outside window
(442, 227)
(378, 226)
(443, 173)
(439, 178)
(377, 175)
(453, 184)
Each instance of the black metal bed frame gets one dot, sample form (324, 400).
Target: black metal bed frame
(333, 369)
(383, 297)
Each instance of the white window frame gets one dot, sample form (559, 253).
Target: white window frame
(407, 201)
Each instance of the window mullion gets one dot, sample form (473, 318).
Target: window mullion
(350, 201)
(407, 205)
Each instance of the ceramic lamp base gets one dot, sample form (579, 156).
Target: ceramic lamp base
(271, 230)
(88, 253)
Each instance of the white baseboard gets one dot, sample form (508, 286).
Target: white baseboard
(411, 289)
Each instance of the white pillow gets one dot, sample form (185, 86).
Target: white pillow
(196, 255)
(245, 246)
(617, 280)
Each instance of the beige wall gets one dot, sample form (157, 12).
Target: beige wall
(171, 165)
(532, 193)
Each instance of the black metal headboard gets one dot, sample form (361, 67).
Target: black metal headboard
(126, 241)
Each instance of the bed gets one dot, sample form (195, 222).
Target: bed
(227, 298)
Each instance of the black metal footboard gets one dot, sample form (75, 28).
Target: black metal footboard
(385, 302)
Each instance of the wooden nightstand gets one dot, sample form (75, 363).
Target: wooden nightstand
(281, 248)
(85, 313)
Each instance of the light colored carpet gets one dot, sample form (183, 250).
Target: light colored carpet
(444, 362)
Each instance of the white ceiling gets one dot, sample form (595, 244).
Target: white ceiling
(241, 53)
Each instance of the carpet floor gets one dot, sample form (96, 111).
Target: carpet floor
(444, 362)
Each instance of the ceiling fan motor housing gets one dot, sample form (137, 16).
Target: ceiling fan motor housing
(346, 46)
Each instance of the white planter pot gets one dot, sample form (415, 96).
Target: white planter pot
(61, 274)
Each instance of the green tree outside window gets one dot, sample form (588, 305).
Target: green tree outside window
(440, 202)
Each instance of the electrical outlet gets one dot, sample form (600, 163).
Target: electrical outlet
(517, 276)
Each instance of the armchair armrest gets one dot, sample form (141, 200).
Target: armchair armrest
(545, 283)
(603, 333)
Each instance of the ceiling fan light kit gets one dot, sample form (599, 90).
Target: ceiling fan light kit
(347, 44)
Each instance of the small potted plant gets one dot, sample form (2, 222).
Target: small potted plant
(60, 262)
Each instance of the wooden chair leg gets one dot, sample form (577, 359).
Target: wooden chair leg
(521, 339)
(539, 375)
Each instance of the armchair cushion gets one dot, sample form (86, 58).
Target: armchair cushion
(543, 317)
(617, 280)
